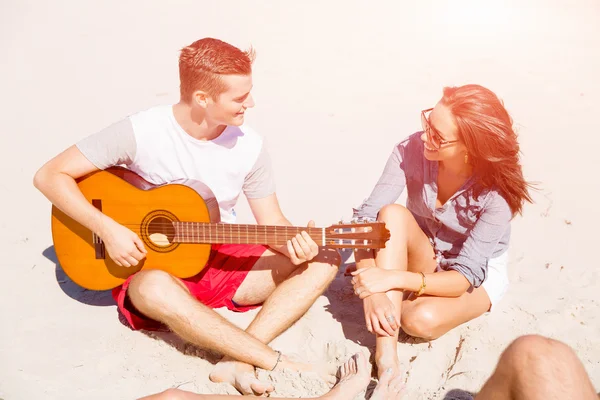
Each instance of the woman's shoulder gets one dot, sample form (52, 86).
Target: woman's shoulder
(413, 139)
(492, 199)
(412, 144)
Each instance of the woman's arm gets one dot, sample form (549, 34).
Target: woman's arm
(479, 248)
(371, 280)
(469, 269)
(443, 283)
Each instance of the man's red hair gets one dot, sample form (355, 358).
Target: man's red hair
(202, 63)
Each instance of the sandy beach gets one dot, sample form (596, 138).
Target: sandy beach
(336, 85)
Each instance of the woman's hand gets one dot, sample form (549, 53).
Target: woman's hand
(368, 281)
(380, 315)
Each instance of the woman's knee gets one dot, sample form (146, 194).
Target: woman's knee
(419, 321)
(393, 212)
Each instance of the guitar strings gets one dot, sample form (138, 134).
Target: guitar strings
(277, 241)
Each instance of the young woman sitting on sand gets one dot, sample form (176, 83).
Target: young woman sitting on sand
(446, 260)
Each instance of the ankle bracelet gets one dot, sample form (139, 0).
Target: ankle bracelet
(278, 359)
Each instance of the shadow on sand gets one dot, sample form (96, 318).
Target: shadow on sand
(74, 291)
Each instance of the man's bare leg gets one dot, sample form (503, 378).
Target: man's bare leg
(355, 376)
(287, 291)
(537, 368)
(164, 298)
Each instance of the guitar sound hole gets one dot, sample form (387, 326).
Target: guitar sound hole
(161, 231)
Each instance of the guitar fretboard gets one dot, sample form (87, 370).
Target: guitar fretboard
(199, 232)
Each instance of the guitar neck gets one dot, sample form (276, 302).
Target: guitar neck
(200, 232)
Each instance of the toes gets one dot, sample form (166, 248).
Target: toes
(358, 362)
(259, 387)
(245, 390)
(361, 362)
(343, 370)
(353, 367)
(331, 380)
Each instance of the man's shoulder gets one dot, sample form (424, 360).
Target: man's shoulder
(245, 137)
(161, 111)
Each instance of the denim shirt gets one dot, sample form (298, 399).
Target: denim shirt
(466, 232)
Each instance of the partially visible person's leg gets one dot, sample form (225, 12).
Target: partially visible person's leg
(408, 248)
(537, 368)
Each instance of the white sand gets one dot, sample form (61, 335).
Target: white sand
(336, 85)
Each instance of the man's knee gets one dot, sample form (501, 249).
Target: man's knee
(532, 352)
(325, 266)
(419, 321)
(151, 287)
(536, 364)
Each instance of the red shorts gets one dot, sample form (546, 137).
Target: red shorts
(214, 286)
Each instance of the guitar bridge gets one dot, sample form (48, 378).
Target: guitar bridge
(99, 248)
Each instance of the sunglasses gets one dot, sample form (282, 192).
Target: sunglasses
(433, 136)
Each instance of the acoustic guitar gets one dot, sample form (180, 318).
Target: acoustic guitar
(178, 223)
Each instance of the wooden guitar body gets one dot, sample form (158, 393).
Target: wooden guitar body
(143, 207)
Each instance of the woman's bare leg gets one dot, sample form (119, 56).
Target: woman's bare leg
(408, 248)
(429, 317)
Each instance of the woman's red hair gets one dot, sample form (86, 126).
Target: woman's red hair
(485, 127)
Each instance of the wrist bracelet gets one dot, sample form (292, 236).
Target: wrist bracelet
(423, 285)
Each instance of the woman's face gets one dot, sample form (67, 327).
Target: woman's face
(440, 135)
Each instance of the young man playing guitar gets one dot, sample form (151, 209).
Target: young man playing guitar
(203, 137)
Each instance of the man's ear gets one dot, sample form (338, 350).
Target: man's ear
(201, 98)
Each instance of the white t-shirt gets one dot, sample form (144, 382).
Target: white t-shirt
(152, 144)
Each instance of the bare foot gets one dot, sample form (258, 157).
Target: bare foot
(354, 378)
(387, 362)
(390, 386)
(240, 375)
(327, 372)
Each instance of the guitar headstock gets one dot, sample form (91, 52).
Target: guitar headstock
(359, 235)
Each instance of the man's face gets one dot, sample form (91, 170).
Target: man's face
(230, 106)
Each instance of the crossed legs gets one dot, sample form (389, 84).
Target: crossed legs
(427, 316)
(531, 368)
(354, 375)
